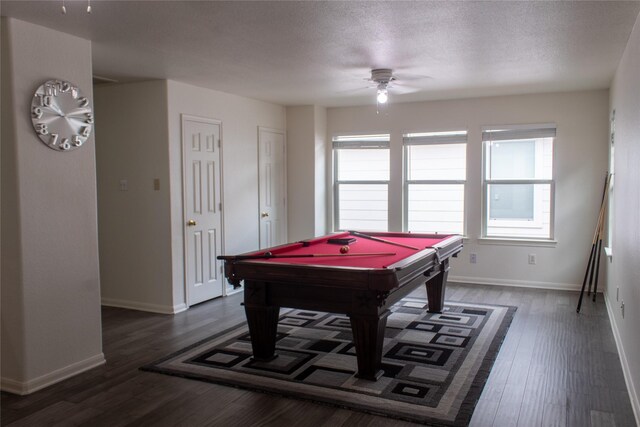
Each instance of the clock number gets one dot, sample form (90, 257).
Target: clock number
(36, 112)
(65, 87)
(46, 100)
(65, 144)
(42, 129)
(77, 142)
(83, 102)
(52, 89)
(89, 119)
(54, 139)
(85, 131)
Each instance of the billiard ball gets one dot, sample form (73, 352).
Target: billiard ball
(344, 249)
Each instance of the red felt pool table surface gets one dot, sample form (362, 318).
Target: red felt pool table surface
(361, 245)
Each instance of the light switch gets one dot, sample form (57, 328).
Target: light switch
(156, 184)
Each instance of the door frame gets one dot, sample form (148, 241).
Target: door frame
(183, 118)
(284, 180)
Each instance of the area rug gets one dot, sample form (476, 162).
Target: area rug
(435, 365)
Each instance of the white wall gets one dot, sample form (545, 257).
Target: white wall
(135, 239)
(240, 119)
(306, 170)
(580, 166)
(322, 170)
(300, 172)
(139, 140)
(624, 270)
(51, 327)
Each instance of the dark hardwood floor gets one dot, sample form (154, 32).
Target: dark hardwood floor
(555, 368)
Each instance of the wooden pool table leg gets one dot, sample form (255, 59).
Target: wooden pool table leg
(263, 328)
(262, 319)
(368, 337)
(436, 288)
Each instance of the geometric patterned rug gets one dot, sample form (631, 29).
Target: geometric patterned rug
(435, 365)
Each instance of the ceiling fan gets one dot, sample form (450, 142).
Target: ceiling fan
(383, 78)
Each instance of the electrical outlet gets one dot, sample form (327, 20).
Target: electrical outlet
(622, 308)
(473, 258)
(124, 185)
(532, 259)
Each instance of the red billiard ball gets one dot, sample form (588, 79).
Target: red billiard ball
(344, 249)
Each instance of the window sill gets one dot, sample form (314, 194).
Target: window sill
(608, 252)
(517, 242)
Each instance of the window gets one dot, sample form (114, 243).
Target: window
(518, 182)
(434, 184)
(361, 182)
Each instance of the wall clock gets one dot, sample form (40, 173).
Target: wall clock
(62, 117)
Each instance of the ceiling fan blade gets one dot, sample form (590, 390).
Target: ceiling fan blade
(354, 91)
(399, 86)
(400, 89)
(412, 77)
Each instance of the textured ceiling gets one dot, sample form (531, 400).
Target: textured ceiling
(312, 52)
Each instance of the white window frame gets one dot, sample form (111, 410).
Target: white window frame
(431, 138)
(610, 202)
(370, 142)
(518, 132)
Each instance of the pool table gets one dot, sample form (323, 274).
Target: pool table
(314, 275)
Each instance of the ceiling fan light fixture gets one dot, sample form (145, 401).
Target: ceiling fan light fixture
(383, 96)
(382, 76)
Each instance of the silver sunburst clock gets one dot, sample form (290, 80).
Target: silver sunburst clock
(61, 116)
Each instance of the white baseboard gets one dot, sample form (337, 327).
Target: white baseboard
(143, 306)
(633, 393)
(515, 283)
(27, 387)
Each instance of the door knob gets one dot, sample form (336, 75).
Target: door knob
(264, 214)
(191, 223)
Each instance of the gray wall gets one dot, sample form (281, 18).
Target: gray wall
(51, 327)
(623, 272)
(131, 146)
(139, 139)
(306, 162)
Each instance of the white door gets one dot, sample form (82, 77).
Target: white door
(202, 208)
(271, 172)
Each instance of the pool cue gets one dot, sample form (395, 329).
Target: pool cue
(593, 260)
(604, 210)
(597, 242)
(377, 239)
(269, 255)
(598, 231)
(597, 261)
(593, 244)
(589, 264)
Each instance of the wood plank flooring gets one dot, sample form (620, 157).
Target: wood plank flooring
(555, 368)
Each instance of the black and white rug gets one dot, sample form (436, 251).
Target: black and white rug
(435, 365)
